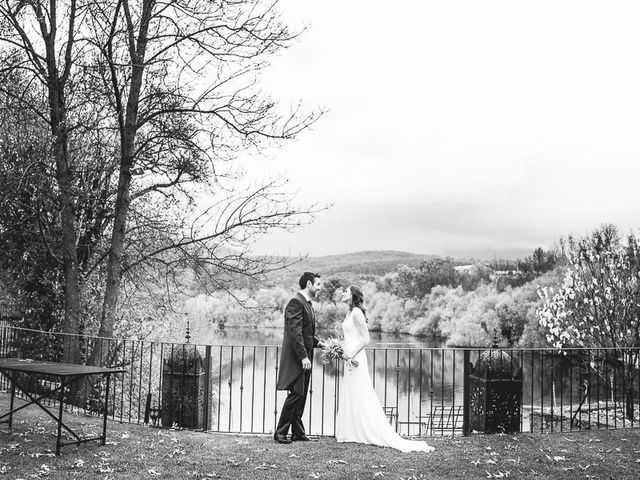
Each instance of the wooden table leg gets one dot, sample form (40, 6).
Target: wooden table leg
(61, 405)
(106, 410)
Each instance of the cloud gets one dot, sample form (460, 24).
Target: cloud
(462, 124)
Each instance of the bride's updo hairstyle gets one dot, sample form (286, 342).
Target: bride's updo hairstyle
(357, 299)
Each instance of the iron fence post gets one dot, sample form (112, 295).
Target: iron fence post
(207, 389)
(465, 393)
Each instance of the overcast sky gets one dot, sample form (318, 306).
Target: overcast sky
(456, 127)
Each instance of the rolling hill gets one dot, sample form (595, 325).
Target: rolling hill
(348, 265)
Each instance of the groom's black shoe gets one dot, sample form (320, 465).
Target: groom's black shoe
(281, 438)
(300, 438)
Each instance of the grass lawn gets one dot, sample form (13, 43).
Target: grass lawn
(137, 452)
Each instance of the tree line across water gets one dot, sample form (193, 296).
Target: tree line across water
(471, 304)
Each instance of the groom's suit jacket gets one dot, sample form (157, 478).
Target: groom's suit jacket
(298, 341)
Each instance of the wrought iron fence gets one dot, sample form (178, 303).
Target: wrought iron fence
(424, 391)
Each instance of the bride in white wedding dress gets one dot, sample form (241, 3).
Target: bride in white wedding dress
(360, 416)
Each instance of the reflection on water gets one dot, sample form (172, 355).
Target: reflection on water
(273, 337)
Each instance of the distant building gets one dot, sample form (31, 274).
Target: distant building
(463, 268)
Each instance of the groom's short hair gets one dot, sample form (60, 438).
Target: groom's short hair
(307, 276)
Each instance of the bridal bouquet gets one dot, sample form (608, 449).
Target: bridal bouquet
(334, 350)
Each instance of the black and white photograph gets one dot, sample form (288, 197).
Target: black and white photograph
(302, 239)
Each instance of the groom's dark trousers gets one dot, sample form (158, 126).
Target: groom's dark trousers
(298, 343)
(293, 407)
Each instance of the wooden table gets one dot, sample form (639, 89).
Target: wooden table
(67, 374)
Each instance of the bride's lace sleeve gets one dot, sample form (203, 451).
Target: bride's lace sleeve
(361, 324)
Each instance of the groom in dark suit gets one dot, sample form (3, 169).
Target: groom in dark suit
(296, 358)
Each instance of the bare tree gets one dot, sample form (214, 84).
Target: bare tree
(182, 81)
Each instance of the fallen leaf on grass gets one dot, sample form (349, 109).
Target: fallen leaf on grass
(175, 452)
(264, 466)
(499, 474)
(38, 455)
(45, 469)
(558, 458)
(314, 475)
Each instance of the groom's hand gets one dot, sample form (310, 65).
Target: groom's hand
(306, 364)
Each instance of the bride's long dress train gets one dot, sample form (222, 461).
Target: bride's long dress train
(360, 416)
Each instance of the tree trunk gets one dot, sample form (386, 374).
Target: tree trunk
(114, 267)
(64, 176)
(71, 324)
(128, 132)
(629, 405)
